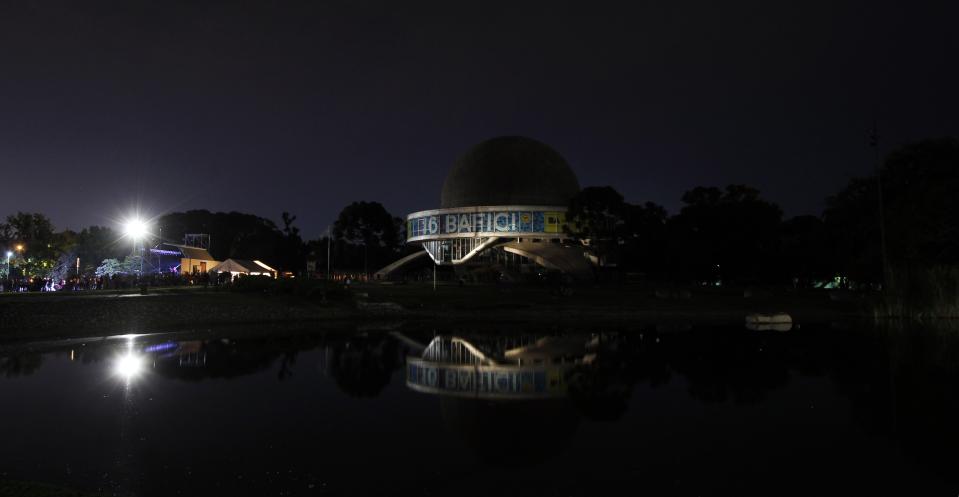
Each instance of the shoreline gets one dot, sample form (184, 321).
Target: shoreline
(30, 317)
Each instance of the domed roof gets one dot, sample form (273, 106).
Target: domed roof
(509, 170)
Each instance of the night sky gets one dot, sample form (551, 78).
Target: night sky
(270, 106)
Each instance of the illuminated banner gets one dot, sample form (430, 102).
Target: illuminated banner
(166, 252)
(488, 222)
(489, 381)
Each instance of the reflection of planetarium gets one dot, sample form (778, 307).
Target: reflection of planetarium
(503, 204)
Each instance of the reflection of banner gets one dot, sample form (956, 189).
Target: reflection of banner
(488, 381)
(507, 221)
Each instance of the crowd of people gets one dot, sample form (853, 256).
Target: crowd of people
(111, 282)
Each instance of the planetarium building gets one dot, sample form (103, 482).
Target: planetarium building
(503, 204)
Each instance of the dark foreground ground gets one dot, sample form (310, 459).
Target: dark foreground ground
(65, 315)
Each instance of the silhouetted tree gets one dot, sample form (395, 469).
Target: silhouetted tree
(643, 238)
(293, 251)
(597, 215)
(368, 226)
(804, 251)
(919, 182)
(235, 234)
(730, 234)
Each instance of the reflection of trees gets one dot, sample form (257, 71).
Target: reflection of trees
(909, 389)
(362, 365)
(286, 366)
(722, 365)
(228, 359)
(23, 364)
(601, 388)
(511, 433)
(600, 394)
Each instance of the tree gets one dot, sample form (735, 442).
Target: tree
(919, 183)
(728, 235)
(644, 239)
(113, 267)
(233, 234)
(596, 213)
(42, 245)
(293, 252)
(804, 250)
(597, 216)
(369, 226)
(95, 244)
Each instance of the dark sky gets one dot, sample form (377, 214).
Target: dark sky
(270, 106)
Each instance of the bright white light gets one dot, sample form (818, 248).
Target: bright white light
(135, 229)
(128, 366)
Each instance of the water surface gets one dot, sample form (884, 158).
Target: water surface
(659, 410)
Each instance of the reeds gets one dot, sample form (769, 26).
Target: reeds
(921, 293)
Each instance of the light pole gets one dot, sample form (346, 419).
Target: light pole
(19, 248)
(9, 255)
(136, 230)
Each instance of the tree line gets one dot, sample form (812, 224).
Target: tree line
(734, 235)
(364, 237)
(729, 235)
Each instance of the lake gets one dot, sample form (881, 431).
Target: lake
(661, 409)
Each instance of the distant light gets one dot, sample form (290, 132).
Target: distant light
(128, 366)
(161, 347)
(135, 229)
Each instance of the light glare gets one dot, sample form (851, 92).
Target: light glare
(135, 228)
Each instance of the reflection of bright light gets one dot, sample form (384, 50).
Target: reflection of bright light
(128, 366)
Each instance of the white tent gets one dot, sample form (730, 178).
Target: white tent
(239, 266)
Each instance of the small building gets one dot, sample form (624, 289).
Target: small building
(236, 267)
(182, 259)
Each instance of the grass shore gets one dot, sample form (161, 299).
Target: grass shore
(66, 315)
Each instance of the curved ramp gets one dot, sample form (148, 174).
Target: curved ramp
(568, 259)
(384, 273)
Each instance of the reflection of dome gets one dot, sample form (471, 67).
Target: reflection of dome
(509, 170)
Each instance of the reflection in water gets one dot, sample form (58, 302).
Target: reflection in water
(518, 432)
(513, 399)
(362, 365)
(130, 363)
(22, 364)
(591, 370)
(520, 367)
(524, 392)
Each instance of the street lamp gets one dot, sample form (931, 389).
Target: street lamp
(19, 248)
(136, 230)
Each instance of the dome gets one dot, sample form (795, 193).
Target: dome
(509, 170)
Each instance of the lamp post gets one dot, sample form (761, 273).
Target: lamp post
(19, 248)
(136, 230)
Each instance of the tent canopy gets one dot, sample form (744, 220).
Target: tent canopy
(243, 266)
